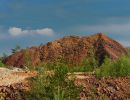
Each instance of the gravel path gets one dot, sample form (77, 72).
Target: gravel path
(12, 76)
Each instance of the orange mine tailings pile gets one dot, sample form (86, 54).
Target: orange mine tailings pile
(73, 49)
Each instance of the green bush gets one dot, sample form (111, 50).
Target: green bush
(52, 79)
(52, 82)
(119, 67)
(87, 65)
(1, 64)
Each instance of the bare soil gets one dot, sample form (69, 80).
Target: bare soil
(111, 88)
(9, 77)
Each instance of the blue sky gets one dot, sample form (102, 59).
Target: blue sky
(32, 22)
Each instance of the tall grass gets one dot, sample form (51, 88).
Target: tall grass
(87, 65)
(59, 95)
(1, 64)
(52, 84)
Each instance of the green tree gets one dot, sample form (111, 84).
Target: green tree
(4, 56)
(16, 49)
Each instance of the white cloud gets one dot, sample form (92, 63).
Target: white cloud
(45, 31)
(15, 31)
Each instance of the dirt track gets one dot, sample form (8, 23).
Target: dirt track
(13, 76)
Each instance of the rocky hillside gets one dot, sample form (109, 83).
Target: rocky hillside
(73, 49)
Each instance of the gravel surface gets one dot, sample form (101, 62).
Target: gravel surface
(12, 76)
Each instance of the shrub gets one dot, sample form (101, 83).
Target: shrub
(87, 65)
(52, 82)
(27, 58)
(119, 67)
(52, 79)
(16, 49)
(1, 64)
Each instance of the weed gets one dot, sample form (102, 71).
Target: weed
(1, 64)
(119, 67)
(52, 84)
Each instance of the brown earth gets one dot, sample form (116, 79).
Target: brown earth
(111, 88)
(14, 86)
(73, 49)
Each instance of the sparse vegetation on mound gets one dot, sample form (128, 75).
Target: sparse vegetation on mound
(72, 49)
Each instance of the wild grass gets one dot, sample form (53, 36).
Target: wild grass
(88, 65)
(1, 64)
(117, 68)
(53, 84)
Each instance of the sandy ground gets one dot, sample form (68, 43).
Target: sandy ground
(12, 76)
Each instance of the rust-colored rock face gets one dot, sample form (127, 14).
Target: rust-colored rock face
(72, 49)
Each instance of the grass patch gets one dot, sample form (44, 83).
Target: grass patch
(52, 84)
(117, 68)
(1, 64)
(88, 65)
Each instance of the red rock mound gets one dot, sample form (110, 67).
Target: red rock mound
(73, 49)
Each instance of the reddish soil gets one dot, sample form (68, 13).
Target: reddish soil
(73, 49)
(12, 85)
(109, 88)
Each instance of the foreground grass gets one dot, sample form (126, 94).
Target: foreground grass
(52, 84)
